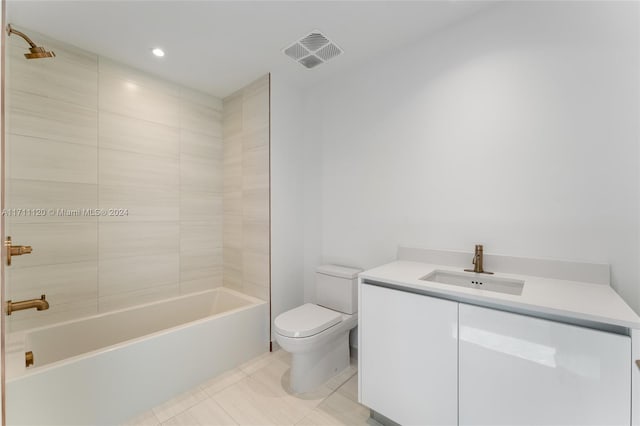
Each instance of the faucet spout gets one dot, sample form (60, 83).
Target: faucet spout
(39, 304)
(477, 261)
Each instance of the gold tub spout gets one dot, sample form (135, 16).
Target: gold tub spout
(40, 304)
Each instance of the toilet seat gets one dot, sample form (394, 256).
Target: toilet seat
(306, 320)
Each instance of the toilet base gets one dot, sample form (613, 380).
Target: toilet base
(311, 369)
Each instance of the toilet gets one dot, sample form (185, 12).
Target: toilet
(317, 335)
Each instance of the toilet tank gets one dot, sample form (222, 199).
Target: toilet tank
(337, 288)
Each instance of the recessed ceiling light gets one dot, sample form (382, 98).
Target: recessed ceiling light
(158, 52)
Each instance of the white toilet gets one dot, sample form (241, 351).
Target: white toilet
(317, 335)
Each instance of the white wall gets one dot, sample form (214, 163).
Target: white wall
(287, 152)
(516, 128)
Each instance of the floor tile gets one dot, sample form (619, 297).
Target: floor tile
(251, 403)
(275, 376)
(145, 419)
(204, 413)
(337, 409)
(223, 381)
(179, 404)
(350, 388)
(258, 362)
(339, 379)
(283, 356)
(258, 393)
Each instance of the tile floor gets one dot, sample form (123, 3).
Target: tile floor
(257, 393)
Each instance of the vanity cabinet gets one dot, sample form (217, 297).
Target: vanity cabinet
(408, 356)
(430, 361)
(517, 370)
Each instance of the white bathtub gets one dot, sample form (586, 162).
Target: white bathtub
(107, 368)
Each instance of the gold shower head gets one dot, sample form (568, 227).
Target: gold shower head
(36, 51)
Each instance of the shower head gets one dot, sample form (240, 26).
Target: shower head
(36, 51)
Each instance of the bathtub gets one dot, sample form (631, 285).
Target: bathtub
(107, 368)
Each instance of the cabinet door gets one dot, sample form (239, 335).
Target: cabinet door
(408, 356)
(518, 370)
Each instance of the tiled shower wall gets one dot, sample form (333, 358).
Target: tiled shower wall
(246, 245)
(85, 132)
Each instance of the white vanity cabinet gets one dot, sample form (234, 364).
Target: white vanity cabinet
(431, 361)
(519, 370)
(408, 356)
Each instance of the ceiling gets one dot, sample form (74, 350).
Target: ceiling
(219, 46)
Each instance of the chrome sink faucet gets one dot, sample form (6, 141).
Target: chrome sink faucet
(477, 261)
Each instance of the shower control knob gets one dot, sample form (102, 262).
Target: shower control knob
(15, 250)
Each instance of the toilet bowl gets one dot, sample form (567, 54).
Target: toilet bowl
(317, 335)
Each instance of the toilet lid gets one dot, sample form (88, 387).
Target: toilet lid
(306, 320)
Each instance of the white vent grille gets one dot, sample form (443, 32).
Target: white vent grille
(328, 52)
(312, 50)
(297, 51)
(311, 61)
(314, 41)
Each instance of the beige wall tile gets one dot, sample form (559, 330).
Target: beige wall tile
(126, 274)
(201, 98)
(201, 284)
(201, 146)
(255, 268)
(55, 243)
(255, 104)
(127, 97)
(255, 204)
(70, 77)
(125, 168)
(261, 292)
(232, 115)
(132, 298)
(232, 257)
(255, 168)
(49, 160)
(91, 133)
(256, 139)
(232, 204)
(40, 194)
(246, 189)
(255, 235)
(144, 137)
(232, 176)
(62, 283)
(143, 203)
(199, 264)
(200, 175)
(69, 53)
(200, 235)
(137, 239)
(232, 232)
(201, 119)
(48, 118)
(200, 206)
(112, 69)
(232, 278)
(56, 313)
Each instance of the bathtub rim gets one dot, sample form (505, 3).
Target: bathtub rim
(17, 341)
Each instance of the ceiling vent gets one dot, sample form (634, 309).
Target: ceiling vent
(312, 50)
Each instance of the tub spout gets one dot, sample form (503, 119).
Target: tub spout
(40, 304)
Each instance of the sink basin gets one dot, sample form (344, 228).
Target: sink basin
(477, 281)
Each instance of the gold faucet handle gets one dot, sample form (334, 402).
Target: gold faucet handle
(20, 250)
(15, 250)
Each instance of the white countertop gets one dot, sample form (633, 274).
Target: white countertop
(569, 299)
